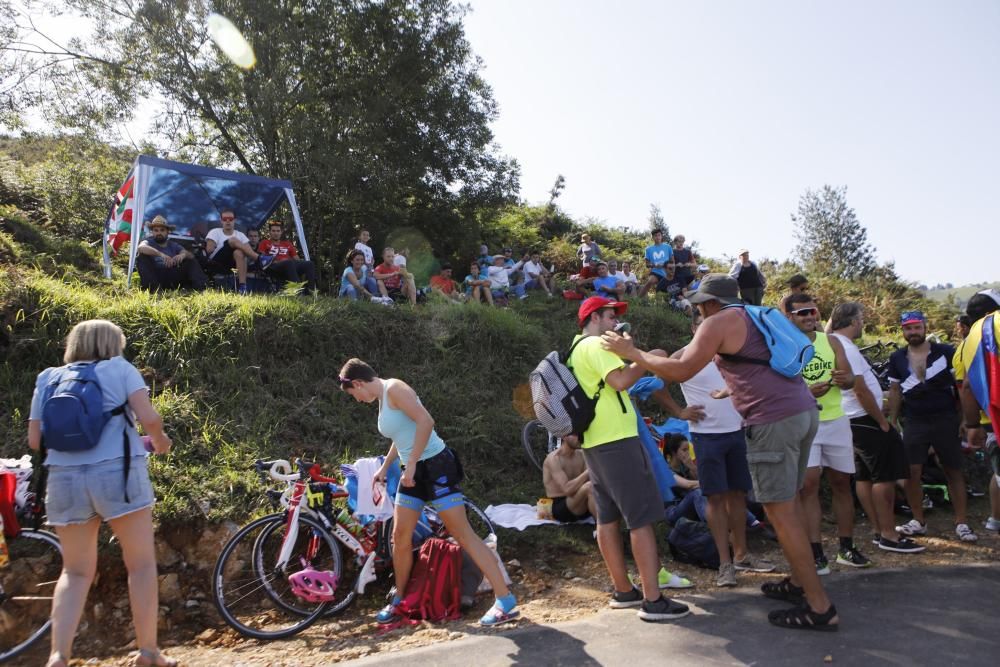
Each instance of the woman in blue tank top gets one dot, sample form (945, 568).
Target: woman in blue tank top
(431, 475)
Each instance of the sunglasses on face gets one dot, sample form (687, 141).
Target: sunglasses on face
(805, 312)
(228, 218)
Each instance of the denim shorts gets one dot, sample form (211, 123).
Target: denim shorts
(76, 494)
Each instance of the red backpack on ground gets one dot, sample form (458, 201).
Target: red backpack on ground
(434, 591)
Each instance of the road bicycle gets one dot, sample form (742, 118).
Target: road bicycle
(538, 442)
(877, 356)
(313, 536)
(27, 585)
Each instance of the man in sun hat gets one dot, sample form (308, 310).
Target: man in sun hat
(922, 390)
(164, 263)
(621, 474)
(781, 419)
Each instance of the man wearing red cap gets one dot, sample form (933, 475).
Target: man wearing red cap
(620, 471)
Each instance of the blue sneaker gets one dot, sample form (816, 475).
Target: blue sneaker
(242, 290)
(388, 615)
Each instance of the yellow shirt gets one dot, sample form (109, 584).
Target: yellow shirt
(966, 352)
(591, 363)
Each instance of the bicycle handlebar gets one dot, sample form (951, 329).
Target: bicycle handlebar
(280, 470)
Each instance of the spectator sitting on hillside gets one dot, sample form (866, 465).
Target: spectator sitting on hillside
(607, 285)
(485, 259)
(583, 282)
(228, 249)
(657, 256)
(685, 260)
(703, 270)
(364, 236)
(675, 289)
(517, 275)
(286, 264)
(567, 482)
(164, 263)
(253, 238)
(797, 284)
(354, 281)
(587, 249)
(749, 277)
(400, 258)
(396, 280)
(499, 275)
(538, 277)
(631, 280)
(443, 284)
(679, 453)
(477, 284)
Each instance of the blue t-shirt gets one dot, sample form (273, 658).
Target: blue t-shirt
(933, 397)
(350, 269)
(119, 379)
(601, 285)
(658, 255)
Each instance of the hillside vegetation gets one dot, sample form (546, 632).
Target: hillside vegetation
(241, 378)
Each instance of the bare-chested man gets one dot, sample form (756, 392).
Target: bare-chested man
(567, 482)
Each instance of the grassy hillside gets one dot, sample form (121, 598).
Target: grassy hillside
(961, 295)
(241, 378)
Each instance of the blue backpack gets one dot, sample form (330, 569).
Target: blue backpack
(73, 415)
(790, 349)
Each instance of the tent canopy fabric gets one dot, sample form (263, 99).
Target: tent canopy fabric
(191, 198)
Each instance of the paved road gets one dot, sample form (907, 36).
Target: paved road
(936, 617)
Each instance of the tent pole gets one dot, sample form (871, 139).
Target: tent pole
(298, 222)
(141, 188)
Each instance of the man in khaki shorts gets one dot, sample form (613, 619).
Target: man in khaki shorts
(781, 420)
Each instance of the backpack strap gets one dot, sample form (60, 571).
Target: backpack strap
(739, 358)
(600, 384)
(126, 446)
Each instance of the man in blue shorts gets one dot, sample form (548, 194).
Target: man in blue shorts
(620, 471)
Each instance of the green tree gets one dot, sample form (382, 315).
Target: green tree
(656, 221)
(375, 110)
(830, 237)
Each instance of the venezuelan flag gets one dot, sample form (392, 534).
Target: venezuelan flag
(984, 372)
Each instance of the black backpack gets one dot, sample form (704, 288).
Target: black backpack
(691, 542)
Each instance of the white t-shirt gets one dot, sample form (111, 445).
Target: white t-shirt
(500, 275)
(367, 251)
(629, 277)
(533, 270)
(859, 366)
(619, 276)
(220, 238)
(400, 260)
(720, 415)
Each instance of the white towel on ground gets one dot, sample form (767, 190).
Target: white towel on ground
(520, 516)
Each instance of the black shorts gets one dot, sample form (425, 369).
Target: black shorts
(937, 431)
(223, 260)
(435, 478)
(879, 456)
(562, 513)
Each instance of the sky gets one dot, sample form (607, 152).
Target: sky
(724, 113)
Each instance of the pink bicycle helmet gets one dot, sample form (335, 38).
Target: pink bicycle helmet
(314, 585)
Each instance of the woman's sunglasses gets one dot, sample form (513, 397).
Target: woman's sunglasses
(345, 383)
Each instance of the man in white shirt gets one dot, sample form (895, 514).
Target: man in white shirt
(538, 277)
(229, 248)
(499, 275)
(878, 448)
(721, 458)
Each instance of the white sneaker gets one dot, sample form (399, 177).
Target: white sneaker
(992, 524)
(912, 527)
(965, 533)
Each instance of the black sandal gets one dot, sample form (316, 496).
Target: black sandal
(804, 618)
(783, 590)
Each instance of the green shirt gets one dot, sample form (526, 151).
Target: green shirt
(820, 369)
(591, 363)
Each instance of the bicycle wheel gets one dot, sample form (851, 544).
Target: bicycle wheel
(481, 524)
(253, 595)
(26, 590)
(535, 439)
